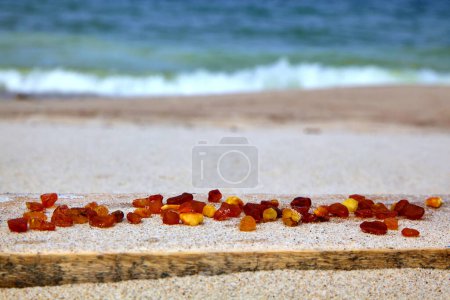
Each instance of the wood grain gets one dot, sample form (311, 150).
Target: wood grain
(24, 270)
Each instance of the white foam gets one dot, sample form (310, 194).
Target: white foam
(280, 75)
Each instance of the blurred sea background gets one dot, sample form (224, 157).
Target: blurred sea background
(142, 48)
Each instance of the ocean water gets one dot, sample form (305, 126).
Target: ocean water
(138, 48)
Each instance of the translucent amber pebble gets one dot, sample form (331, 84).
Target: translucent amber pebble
(375, 227)
(79, 215)
(255, 210)
(311, 218)
(35, 206)
(155, 205)
(357, 197)
(379, 208)
(191, 206)
(386, 214)
(35, 215)
(391, 223)
(170, 206)
(321, 211)
(18, 225)
(364, 213)
(365, 204)
(214, 196)
(143, 212)
(234, 200)
(118, 214)
(351, 204)
(339, 210)
(37, 224)
(180, 198)
(272, 203)
(409, 232)
(61, 217)
(301, 202)
(434, 202)
(101, 210)
(227, 211)
(141, 202)
(290, 217)
(191, 219)
(209, 210)
(400, 206)
(170, 217)
(269, 215)
(247, 224)
(103, 221)
(413, 212)
(91, 205)
(133, 218)
(48, 200)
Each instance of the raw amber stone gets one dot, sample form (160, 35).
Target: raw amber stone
(379, 208)
(375, 227)
(255, 210)
(61, 217)
(143, 212)
(400, 206)
(434, 202)
(357, 197)
(180, 198)
(290, 217)
(413, 212)
(18, 225)
(302, 209)
(364, 213)
(35, 215)
(35, 206)
(365, 204)
(48, 200)
(214, 196)
(351, 204)
(156, 197)
(247, 224)
(118, 214)
(227, 211)
(301, 202)
(269, 215)
(339, 210)
(191, 218)
(386, 214)
(321, 211)
(91, 205)
(155, 205)
(103, 221)
(410, 232)
(133, 218)
(209, 210)
(101, 210)
(79, 215)
(192, 206)
(391, 223)
(141, 202)
(273, 203)
(37, 224)
(170, 217)
(310, 218)
(170, 206)
(234, 200)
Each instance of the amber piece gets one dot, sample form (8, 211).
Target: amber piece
(91, 205)
(234, 200)
(247, 224)
(118, 214)
(351, 204)
(364, 213)
(227, 211)
(37, 224)
(192, 206)
(133, 218)
(170, 206)
(101, 210)
(155, 205)
(400, 206)
(180, 198)
(410, 232)
(290, 217)
(48, 200)
(321, 211)
(143, 212)
(141, 202)
(255, 210)
(301, 202)
(170, 217)
(209, 211)
(339, 210)
(379, 208)
(413, 212)
(191, 218)
(386, 214)
(391, 223)
(103, 221)
(214, 196)
(79, 215)
(310, 218)
(156, 197)
(61, 217)
(434, 202)
(35, 206)
(375, 227)
(18, 225)
(269, 215)
(272, 203)
(357, 197)
(35, 215)
(365, 204)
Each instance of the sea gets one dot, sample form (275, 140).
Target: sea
(128, 48)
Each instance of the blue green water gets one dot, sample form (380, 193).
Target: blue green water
(188, 47)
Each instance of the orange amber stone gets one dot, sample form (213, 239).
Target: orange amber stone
(133, 218)
(48, 200)
(400, 206)
(103, 221)
(191, 218)
(214, 196)
(143, 212)
(321, 211)
(118, 214)
(269, 215)
(290, 217)
(434, 202)
(227, 211)
(413, 212)
(37, 224)
(375, 227)
(410, 232)
(339, 210)
(180, 198)
(101, 210)
(91, 205)
(61, 217)
(379, 208)
(18, 225)
(391, 223)
(35, 215)
(142, 202)
(247, 224)
(386, 214)
(170, 217)
(79, 215)
(35, 206)
(192, 206)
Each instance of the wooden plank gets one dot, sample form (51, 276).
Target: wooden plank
(24, 270)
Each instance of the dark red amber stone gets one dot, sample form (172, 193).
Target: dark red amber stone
(375, 227)
(180, 199)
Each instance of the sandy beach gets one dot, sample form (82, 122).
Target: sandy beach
(381, 140)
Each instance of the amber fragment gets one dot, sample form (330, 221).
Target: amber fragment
(321, 211)
(400, 206)
(48, 200)
(155, 205)
(35, 215)
(364, 213)
(290, 217)
(269, 215)
(375, 227)
(311, 218)
(386, 214)
(339, 210)
(143, 212)
(18, 225)
(118, 214)
(79, 215)
(379, 208)
(301, 202)
(234, 200)
(101, 210)
(191, 218)
(103, 221)
(37, 224)
(214, 196)
(141, 202)
(91, 205)
(227, 211)
(413, 212)
(209, 211)
(180, 198)
(255, 210)
(191, 206)
(133, 218)
(272, 203)
(61, 217)
(247, 224)
(357, 197)
(391, 223)
(434, 202)
(410, 232)
(35, 206)
(365, 204)
(170, 217)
